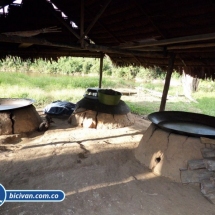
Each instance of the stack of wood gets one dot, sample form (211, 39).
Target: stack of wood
(202, 171)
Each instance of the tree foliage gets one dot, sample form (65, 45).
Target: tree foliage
(78, 65)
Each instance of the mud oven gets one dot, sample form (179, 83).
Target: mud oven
(18, 116)
(181, 146)
(101, 109)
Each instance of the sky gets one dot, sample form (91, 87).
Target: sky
(20, 1)
(6, 7)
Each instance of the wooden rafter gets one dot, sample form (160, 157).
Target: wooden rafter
(106, 49)
(31, 33)
(194, 38)
(191, 46)
(108, 31)
(36, 41)
(51, 9)
(150, 19)
(96, 19)
(118, 40)
(91, 47)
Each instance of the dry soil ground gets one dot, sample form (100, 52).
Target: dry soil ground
(97, 171)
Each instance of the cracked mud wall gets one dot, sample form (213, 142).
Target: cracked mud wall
(20, 120)
(93, 119)
(5, 123)
(166, 153)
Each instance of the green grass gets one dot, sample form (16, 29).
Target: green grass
(47, 82)
(45, 89)
(206, 102)
(142, 108)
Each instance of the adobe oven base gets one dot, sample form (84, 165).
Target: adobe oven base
(93, 119)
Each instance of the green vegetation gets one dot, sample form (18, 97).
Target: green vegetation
(74, 66)
(45, 88)
(68, 78)
(206, 102)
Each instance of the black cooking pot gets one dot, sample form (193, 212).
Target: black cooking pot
(192, 124)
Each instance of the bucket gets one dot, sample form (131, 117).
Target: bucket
(109, 96)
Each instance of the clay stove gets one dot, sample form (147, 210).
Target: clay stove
(181, 146)
(90, 113)
(18, 116)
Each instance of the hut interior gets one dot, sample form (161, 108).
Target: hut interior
(176, 35)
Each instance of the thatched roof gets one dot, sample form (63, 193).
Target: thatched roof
(137, 32)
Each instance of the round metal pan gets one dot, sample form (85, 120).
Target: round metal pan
(191, 124)
(14, 103)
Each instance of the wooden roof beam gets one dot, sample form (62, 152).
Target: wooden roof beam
(36, 41)
(90, 47)
(108, 31)
(196, 51)
(150, 20)
(101, 24)
(194, 38)
(96, 19)
(50, 53)
(51, 9)
(106, 49)
(191, 46)
(105, 28)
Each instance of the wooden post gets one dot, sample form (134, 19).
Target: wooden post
(4, 12)
(167, 82)
(101, 70)
(82, 24)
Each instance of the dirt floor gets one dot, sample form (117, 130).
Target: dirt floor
(97, 171)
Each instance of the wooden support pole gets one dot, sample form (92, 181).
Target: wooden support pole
(4, 11)
(167, 82)
(101, 70)
(82, 24)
